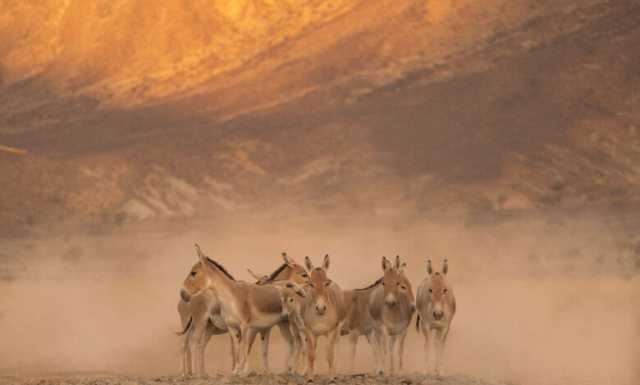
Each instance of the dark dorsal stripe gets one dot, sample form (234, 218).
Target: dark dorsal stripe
(376, 283)
(221, 268)
(273, 275)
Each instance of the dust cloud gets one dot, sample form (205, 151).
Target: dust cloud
(538, 302)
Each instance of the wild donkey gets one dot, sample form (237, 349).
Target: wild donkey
(292, 306)
(201, 313)
(392, 307)
(436, 307)
(359, 322)
(322, 314)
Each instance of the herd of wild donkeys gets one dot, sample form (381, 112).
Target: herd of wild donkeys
(305, 304)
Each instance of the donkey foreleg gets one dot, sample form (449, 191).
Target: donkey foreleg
(311, 355)
(442, 339)
(392, 346)
(237, 338)
(353, 343)
(234, 353)
(331, 352)
(427, 344)
(288, 332)
(401, 351)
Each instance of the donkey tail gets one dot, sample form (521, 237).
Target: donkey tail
(186, 328)
(418, 323)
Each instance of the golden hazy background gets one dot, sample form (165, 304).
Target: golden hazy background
(502, 134)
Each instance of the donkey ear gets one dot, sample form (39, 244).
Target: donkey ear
(201, 255)
(288, 260)
(429, 268)
(325, 263)
(308, 263)
(254, 275)
(397, 262)
(403, 266)
(445, 266)
(386, 264)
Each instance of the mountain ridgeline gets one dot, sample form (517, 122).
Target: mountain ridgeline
(132, 111)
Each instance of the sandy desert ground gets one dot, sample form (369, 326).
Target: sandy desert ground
(354, 379)
(503, 135)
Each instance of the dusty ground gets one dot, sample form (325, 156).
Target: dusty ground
(276, 379)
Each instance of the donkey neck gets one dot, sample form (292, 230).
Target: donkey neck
(225, 286)
(282, 273)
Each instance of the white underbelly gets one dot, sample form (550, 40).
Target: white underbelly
(265, 321)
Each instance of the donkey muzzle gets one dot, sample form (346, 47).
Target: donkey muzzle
(437, 315)
(184, 295)
(321, 309)
(390, 300)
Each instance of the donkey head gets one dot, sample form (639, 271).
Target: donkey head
(438, 289)
(200, 276)
(194, 282)
(397, 288)
(293, 296)
(319, 284)
(294, 271)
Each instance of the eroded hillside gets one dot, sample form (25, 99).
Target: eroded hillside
(133, 111)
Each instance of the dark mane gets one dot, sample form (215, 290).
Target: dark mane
(276, 272)
(376, 283)
(221, 268)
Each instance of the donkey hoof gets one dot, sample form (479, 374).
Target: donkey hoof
(333, 380)
(309, 380)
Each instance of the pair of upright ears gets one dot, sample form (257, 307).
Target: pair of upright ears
(325, 263)
(387, 265)
(445, 267)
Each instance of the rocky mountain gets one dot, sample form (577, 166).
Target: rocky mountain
(133, 111)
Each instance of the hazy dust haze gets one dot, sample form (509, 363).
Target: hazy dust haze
(503, 135)
(529, 310)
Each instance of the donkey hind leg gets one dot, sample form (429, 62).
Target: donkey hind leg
(187, 369)
(264, 337)
(379, 350)
(371, 339)
(331, 352)
(195, 343)
(202, 345)
(252, 339)
(247, 337)
(353, 344)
